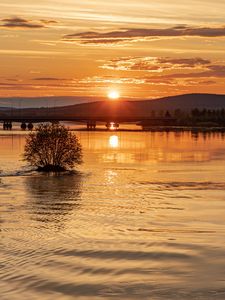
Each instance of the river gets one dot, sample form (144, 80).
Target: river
(142, 218)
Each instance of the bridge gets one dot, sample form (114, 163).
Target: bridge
(28, 121)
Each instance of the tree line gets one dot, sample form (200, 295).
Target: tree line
(195, 117)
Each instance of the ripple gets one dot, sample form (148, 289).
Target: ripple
(184, 185)
(17, 173)
(127, 255)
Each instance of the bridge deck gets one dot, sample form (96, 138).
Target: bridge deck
(82, 119)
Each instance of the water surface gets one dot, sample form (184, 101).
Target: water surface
(142, 218)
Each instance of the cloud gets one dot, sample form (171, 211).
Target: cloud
(17, 22)
(209, 76)
(147, 80)
(170, 68)
(208, 82)
(184, 62)
(112, 80)
(48, 79)
(212, 71)
(139, 34)
(48, 22)
(31, 86)
(154, 64)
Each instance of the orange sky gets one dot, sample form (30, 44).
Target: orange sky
(140, 48)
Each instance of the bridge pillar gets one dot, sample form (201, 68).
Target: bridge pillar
(7, 125)
(91, 125)
(23, 126)
(30, 126)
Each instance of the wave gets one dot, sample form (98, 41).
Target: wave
(205, 185)
(124, 255)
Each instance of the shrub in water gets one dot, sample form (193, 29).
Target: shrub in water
(52, 147)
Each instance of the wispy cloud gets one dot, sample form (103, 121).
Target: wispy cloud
(21, 23)
(154, 64)
(48, 22)
(140, 34)
(48, 79)
(209, 76)
(212, 71)
(169, 71)
(112, 80)
(137, 80)
(31, 53)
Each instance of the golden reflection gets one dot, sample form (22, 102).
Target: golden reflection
(111, 176)
(114, 141)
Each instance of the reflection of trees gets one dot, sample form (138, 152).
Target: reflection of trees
(206, 134)
(52, 198)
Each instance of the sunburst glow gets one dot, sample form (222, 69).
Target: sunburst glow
(113, 95)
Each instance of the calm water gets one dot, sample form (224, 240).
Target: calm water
(144, 218)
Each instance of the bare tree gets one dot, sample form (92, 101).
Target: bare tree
(52, 147)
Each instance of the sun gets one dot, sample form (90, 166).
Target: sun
(113, 95)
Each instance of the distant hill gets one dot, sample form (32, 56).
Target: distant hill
(4, 108)
(185, 102)
(37, 102)
(131, 108)
(188, 102)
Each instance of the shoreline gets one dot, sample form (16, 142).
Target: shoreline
(193, 129)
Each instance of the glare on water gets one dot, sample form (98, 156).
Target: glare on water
(114, 141)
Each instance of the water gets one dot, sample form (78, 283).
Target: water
(142, 218)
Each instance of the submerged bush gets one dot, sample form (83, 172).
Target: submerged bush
(52, 147)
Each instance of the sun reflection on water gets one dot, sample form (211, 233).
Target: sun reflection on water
(114, 141)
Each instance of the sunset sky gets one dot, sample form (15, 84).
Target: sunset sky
(140, 48)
